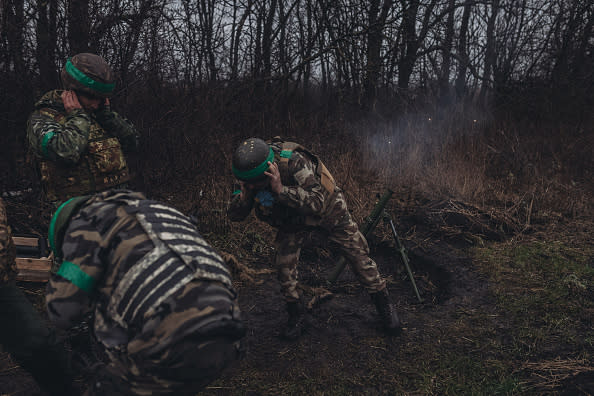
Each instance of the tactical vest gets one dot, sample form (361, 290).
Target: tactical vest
(180, 255)
(100, 168)
(283, 157)
(282, 215)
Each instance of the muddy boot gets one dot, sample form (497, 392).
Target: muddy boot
(386, 312)
(295, 324)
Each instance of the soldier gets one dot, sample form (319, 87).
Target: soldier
(165, 311)
(22, 331)
(75, 136)
(291, 189)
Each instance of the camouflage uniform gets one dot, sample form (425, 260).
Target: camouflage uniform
(22, 331)
(8, 268)
(165, 310)
(303, 205)
(79, 152)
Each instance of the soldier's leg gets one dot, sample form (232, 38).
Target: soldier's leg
(353, 245)
(288, 249)
(31, 343)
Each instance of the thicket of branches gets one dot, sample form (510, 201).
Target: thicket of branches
(245, 67)
(358, 49)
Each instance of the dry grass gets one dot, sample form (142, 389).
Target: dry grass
(528, 169)
(549, 375)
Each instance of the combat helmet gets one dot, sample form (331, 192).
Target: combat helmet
(250, 160)
(88, 73)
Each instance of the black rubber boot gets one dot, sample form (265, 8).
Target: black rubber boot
(295, 324)
(387, 314)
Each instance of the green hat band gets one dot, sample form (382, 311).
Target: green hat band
(86, 80)
(257, 171)
(57, 226)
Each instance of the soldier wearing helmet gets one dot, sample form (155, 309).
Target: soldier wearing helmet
(292, 190)
(165, 309)
(78, 141)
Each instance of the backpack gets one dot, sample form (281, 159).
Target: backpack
(287, 148)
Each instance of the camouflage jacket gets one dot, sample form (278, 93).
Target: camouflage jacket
(7, 249)
(78, 152)
(303, 200)
(144, 269)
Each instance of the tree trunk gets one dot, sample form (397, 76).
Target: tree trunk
(490, 53)
(463, 51)
(377, 20)
(78, 22)
(267, 38)
(446, 55)
(46, 44)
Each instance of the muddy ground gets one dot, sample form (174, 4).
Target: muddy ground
(460, 340)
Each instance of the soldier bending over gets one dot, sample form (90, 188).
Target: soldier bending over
(165, 310)
(291, 189)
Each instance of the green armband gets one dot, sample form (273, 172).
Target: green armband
(77, 276)
(45, 142)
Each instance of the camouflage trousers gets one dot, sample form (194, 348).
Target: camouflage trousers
(351, 244)
(182, 348)
(183, 369)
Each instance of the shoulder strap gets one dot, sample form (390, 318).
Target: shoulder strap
(60, 220)
(287, 149)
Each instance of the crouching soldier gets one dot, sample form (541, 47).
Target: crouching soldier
(165, 310)
(291, 189)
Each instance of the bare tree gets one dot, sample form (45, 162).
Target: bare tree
(78, 22)
(446, 51)
(13, 26)
(490, 53)
(377, 20)
(463, 60)
(411, 40)
(46, 35)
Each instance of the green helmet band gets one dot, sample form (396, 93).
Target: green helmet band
(257, 171)
(60, 220)
(86, 80)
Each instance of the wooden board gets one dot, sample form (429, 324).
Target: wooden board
(34, 269)
(25, 241)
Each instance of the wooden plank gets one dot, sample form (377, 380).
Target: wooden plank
(25, 241)
(35, 264)
(33, 276)
(34, 269)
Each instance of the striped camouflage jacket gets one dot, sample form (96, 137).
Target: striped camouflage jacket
(7, 249)
(140, 265)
